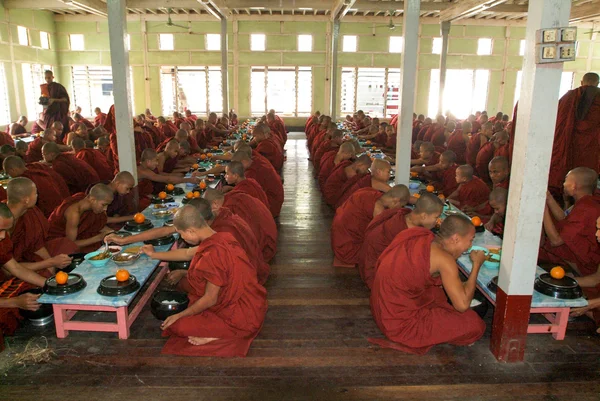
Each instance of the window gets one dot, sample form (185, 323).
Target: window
(77, 42)
(165, 41)
(194, 88)
(396, 44)
(566, 84)
(484, 47)
(288, 90)
(23, 34)
(45, 40)
(213, 41)
(349, 43)
(464, 94)
(305, 43)
(522, 48)
(93, 87)
(4, 105)
(257, 42)
(436, 47)
(373, 90)
(33, 77)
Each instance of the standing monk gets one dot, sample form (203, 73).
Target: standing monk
(77, 174)
(57, 109)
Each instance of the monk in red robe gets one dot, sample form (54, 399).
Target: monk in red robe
(277, 128)
(499, 170)
(267, 146)
(168, 160)
(100, 117)
(346, 172)
(414, 274)
(57, 109)
(353, 217)
(457, 142)
(577, 133)
(227, 304)
(377, 179)
(122, 208)
(440, 137)
(570, 238)
(310, 120)
(488, 152)
(34, 150)
(333, 143)
(167, 130)
(330, 161)
(234, 176)
(477, 141)
(94, 158)
(497, 203)
(442, 174)
(82, 218)
(435, 129)
(428, 156)
(471, 191)
(420, 131)
(77, 173)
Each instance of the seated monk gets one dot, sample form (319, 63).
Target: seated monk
(253, 212)
(18, 129)
(51, 192)
(427, 155)
(77, 174)
(30, 246)
(168, 160)
(227, 304)
(499, 171)
(100, 117)
(183, 135)
(122, 207)
(330, 160)
(353, 217)
(94, 158)
(440, 138)
(435, 129)
(234, 176)
(487, 153)
(457, 142)
(570, 237)
(471, 191)
(34, 150)
(383, 229)
(336, 137)
(167, 130)
(21, 150)
(103, 145)
(263, 172)
(391, 138)
(82, 218)
(277, 128)
(416, 274)
(377, 179)
(477, 141)
(267, 146)
(497, 203)
(442, 174)
(420, 130)
(345, 172)
(79, 131)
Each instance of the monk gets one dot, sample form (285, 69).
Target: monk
(345, 173)
(169, 158)
(21, 149)
(82, 218)
(353, 217)
(227, 304)
(100, 117)
(443, 174)
(267, 146)
(435, 129)
(477, 141)
(234, 176)
(440, 137)
(577, 133)
(391, 138)
(419, 131)
(377, 179)
(254, 212)
(488, 152)
(259, 169)
(18, 128)
(414, 274)
(212, 132)
(499, 172)
(57, 109)
(34, 151)
(94, 158)
(471, 191)
(570, 238)
(458, 140)
(383, 229)
(277, 128)
(428, 156)
(331, 159)
(333, 143)
(122, 207)
(77, 173)
(497, 203)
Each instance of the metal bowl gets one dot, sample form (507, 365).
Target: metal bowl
(162, 214)
(125, 259)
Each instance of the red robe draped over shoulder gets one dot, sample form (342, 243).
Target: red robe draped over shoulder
(326, 167)
(252, 187)
(51, 191)
(473, 149)
(352, 185)
(238, 315)
(473, 193)
(349, 224)
(456, 143)
(100, 119)
(446, 180)
(484, 156)
(57, 111)
(272, 151)
(77, 174)
(335, 181)
(264, 173)
(434, 130)
(410, 306)
(98, 162)
(380, 232)
(34, 151)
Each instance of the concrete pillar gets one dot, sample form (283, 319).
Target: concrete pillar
(335, 44)
(119, 59)
(531, 159)
(408, 81)
(224, 70)
(445, 30)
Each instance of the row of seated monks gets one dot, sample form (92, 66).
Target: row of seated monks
(65, 197)
(411, 272)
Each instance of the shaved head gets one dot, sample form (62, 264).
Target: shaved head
(429, 204)
(347, 147)
(5, 212)
(124, 177)
(399, 192)
(456, 224)
(240, 156)
(181, 134)
(585, 177)
(102, 192)
(203, 206)
(591, 79)
(12, 163)
(78, 144)
(19, 188)
(212, 195)
(465, 171)
(364, 160)
(500, 162)
(449, 156)
(50, 147)
(379, 164)
(338, 133)
(148, 154)
(236, 168)
(189, 217)
(172, 145)
(20, 145)
(427, 147)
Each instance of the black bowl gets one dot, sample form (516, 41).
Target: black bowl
(480, 229)
(482, 308)
(44, 310)
(179, 265)
(162, 311)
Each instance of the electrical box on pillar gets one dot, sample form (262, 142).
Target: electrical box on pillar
(555, 45)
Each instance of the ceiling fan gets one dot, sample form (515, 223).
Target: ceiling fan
(173, 24)
(390, 25)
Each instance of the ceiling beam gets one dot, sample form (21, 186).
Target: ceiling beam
(213, 9)
(585, 11)
(467, 8)
(95, 7)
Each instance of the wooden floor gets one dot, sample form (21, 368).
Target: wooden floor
(313, 345)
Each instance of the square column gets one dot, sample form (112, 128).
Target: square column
(224, 70)
(445, 30)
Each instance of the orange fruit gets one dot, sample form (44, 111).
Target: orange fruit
(244, 137)
(557, 272)
(170, 187)
(374, 148)
(417, 196)
(414, 174)
(196, 194)
(209, 155)
(61, 278)
(162, 195)
(430, 188)
(202, 185)
(215, 148)
(368, 142)
(476, 221)
(202, 157)
(122, 275)
(441, 196)
(195, 166)
(139, 218)
(189, 195)
(217, 165)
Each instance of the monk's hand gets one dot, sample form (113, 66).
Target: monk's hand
(61, 261)
(175, 276)
(115, 239)
(489, 225)
(148, 250)
(170, 320)
(477, 257)
(418, 169)
(27, 301)
(579, 311)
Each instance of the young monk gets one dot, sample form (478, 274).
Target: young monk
(391, 137)
(477, 141)
(94, 158)
(227, 305)
(497, 203)
(51, 190)
(427, 155)
(343, 173)
(82, 218)
(353, 217)
(487, 153)
(79, 131)
(330, 160)
(419, 131)
(383, 229)
(77, 174)
(435, 129)
(440, 137)
(414, 274)
(471, 191)
(443, 174)
(377, 179)
(571, 238)
(122, 207)
(234, 176)
(267, 146)
(259, 169)
(499, 171)
(34, 150)
(168, 160)
(100, 117)
(336, 137)
(277, 128)
(457, 142)
(254, 212)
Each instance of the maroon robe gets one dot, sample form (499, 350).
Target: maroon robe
(58, 111)
(52, 190)
(264, 173)
(77, 173)
(272, 151)
(337, 178)
(484, 157)
(98, 162)
(456, 143)
(473, 193)
(100, 119)
(252, 187)
(34, 150)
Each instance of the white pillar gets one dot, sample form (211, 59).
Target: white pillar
(119, 58)
(530, 165)
(408, 81)
(224, 70)
(335, 43)
(445, 30)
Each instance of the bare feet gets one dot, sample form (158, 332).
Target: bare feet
(200, 340)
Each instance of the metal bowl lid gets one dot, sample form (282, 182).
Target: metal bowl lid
(563, 283)
(110, 287)
(169, 239)
(137, 227)
(168, 199)
(176, 191)
(75, 283)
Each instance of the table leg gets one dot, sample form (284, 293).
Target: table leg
(60, 317)
(561, 321)
(122, 324)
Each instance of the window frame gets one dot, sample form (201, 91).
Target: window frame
(71, 36)
(344, 43)
(5, 117)
(45, 41)
(386, 89)
(254, 36)
(311, 42)
(296, 70)
(473, 89)
(161, 41)
(23, 30)
(31, 89)
(177, 99)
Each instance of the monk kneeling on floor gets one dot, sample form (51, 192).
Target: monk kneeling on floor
(227, 305)
(414, 274)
